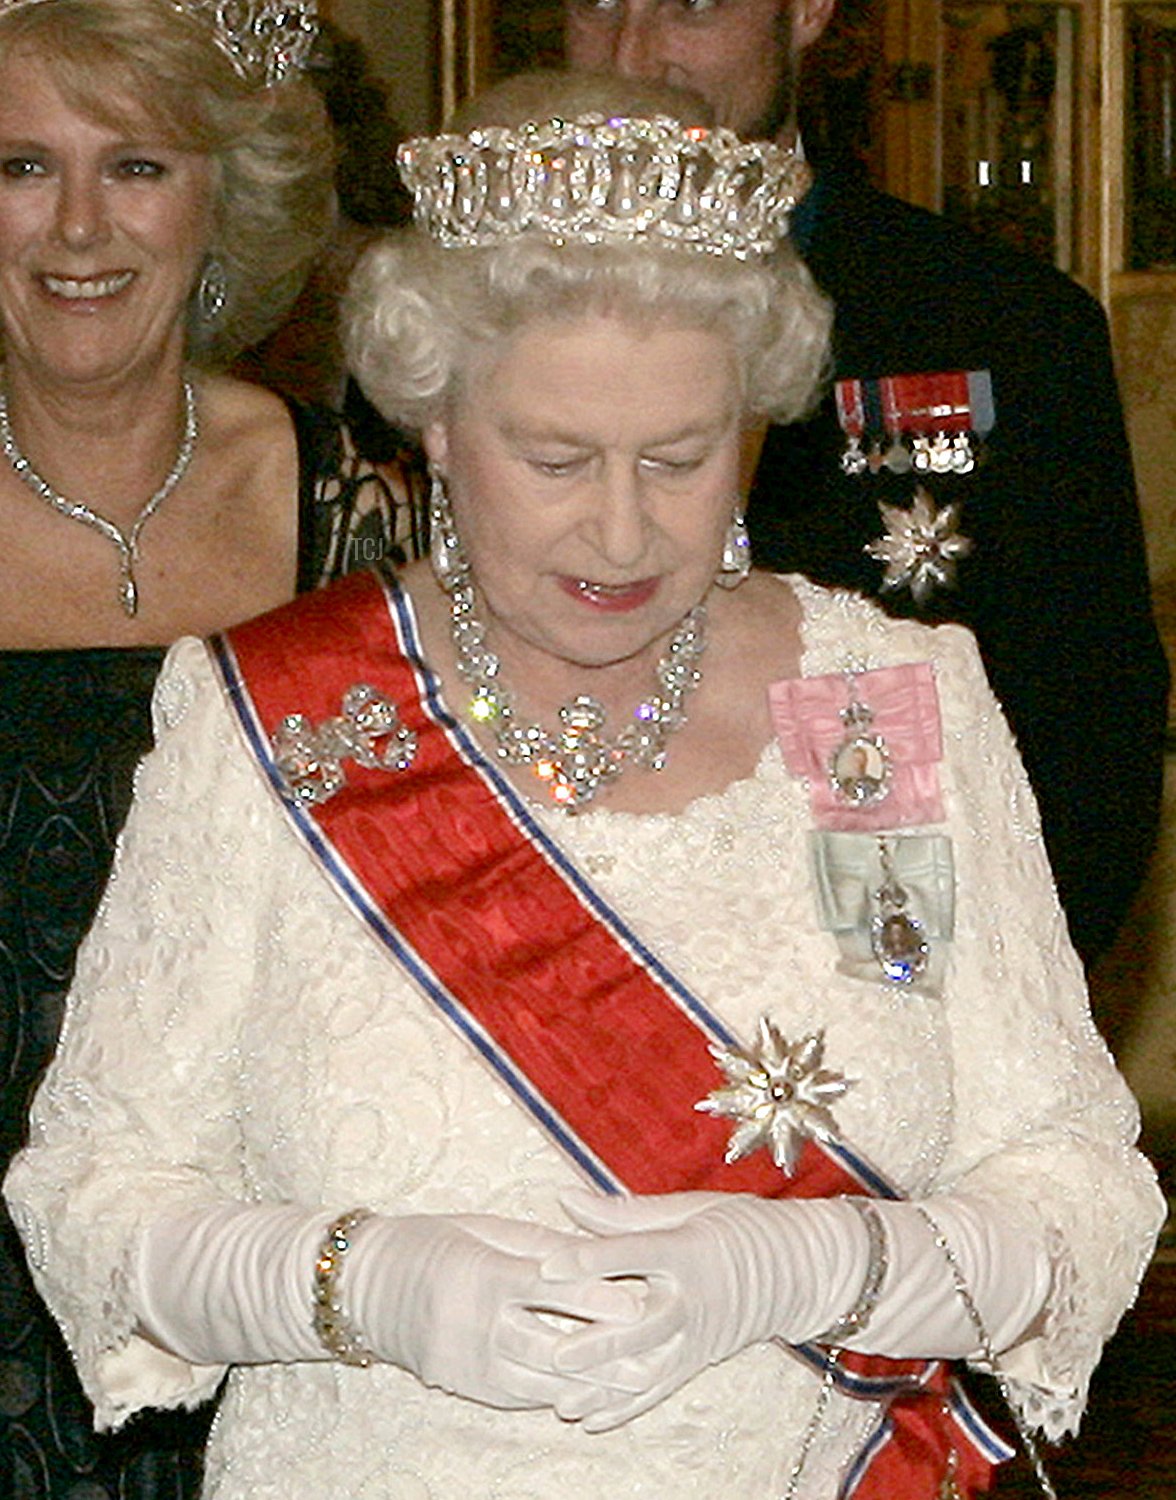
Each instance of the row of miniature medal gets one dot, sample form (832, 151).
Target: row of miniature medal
(928, 423)
(938, 453)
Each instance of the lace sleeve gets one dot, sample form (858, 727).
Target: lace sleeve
(1044, 1121)
(137, 1116)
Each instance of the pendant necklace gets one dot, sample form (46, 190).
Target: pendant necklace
(575, 761)
(77, 510)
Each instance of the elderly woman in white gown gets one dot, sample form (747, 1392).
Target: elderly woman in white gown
(588, 1018)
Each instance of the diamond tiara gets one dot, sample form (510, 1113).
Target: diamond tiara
(265, 40)
(605, 180)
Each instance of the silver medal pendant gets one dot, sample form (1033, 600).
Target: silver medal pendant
(853, 460)
(963, 460)
(897, 457)
(940, 454)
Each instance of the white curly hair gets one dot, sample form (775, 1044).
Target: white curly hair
(416, 312)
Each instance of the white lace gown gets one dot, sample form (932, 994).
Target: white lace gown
(233, 1033)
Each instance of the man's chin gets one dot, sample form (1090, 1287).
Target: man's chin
(778, 122)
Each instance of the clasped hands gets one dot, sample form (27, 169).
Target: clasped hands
(598, 1327)
(602, 1325)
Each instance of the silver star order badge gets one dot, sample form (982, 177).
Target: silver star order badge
(921, 545)
(779, 1093)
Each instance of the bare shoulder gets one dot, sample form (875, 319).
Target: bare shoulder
(248, 516)
(236, 412)
(250, 449)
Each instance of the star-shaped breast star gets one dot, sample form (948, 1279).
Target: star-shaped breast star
(921, 546)
(779, 1093)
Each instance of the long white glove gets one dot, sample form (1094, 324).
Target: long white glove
(721, 1271)
(456, 1299)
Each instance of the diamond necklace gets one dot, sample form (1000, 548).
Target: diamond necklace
(76, 510)
(578, 759)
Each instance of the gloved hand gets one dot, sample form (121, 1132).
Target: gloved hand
(717, 1271)
(720, 1271)
(456, 1299)
(459, 1301)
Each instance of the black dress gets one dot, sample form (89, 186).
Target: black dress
(73, 726)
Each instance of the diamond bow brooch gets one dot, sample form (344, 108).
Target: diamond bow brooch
(309, 758)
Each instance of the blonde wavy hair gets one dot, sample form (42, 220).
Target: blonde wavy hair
(415, 312)
(120, 60)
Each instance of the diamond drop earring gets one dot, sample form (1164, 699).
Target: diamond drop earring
(735, 563)
(212, 292)
(445, 553)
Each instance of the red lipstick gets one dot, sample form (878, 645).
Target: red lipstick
(610, 598)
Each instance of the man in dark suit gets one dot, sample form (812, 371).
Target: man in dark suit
(1038, 547)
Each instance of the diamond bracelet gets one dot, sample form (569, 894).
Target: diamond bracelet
(855, 1320)
(336, 1332)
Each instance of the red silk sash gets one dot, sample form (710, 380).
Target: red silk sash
(600, 1043)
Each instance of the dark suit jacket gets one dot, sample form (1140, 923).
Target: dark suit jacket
(1056, 587)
